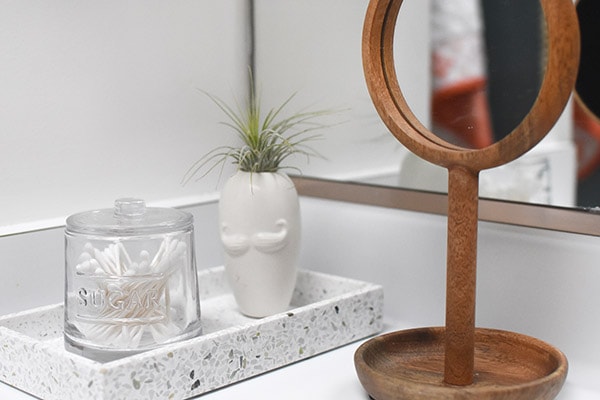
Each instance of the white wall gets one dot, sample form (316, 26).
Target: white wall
(99, 100)
(313, 47)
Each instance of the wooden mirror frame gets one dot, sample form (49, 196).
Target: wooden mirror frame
(561, 66)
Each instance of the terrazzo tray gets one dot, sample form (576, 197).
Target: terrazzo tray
(327, 311)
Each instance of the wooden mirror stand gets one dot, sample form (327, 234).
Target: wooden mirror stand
(460, 361)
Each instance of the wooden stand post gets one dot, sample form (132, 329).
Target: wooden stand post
(461, 276)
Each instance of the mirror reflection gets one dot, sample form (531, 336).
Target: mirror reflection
(479, 93)
(487, 65)
(504, 85)
(587, 105)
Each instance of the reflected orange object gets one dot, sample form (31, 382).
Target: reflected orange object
(460, 112)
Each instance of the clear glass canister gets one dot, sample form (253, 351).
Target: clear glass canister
(130, 280)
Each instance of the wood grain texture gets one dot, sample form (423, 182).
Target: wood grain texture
(561, 70)
(462, 352)
(410, 365)
(461, 275)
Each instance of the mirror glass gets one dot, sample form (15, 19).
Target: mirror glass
(487, 65)
(324, 65)
(479, 94)
(588, 79)
(587, 105)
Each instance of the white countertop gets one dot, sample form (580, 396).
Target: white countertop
(332, 376)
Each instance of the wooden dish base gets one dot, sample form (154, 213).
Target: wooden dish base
(508, 366)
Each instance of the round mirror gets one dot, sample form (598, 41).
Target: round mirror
(532, 124)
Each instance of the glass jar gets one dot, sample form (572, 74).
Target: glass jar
(130, 280)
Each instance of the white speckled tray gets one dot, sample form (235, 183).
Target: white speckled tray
(327, 312)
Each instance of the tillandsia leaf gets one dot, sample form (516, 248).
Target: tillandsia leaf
(237, 118)
(266, 142)
(274, 112)
(215, 157)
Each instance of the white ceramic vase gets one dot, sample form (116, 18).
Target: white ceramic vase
(259, 222)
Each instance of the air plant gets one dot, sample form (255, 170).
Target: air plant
(266, 140)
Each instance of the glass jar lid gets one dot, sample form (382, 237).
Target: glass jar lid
(129, 217)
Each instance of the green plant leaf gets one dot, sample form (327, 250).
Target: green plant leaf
(266, 142)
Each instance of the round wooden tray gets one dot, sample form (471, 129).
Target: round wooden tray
(410, 365)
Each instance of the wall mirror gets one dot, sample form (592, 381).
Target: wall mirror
(549, 173)
(311, 47)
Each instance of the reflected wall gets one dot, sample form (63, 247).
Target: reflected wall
(313, 47)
